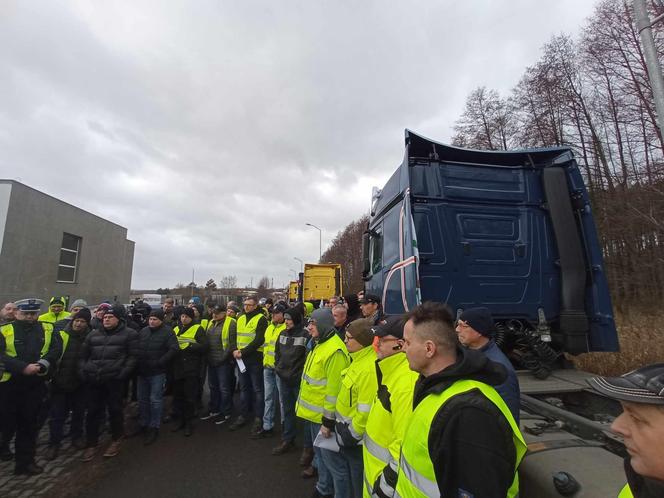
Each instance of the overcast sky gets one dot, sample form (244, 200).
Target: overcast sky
(214, 130)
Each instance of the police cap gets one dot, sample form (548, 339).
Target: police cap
(30, 304)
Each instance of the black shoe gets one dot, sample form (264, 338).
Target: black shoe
(6, 455)
(150, 436)
(318, 494)
(284, 447)
(52, 452)
(262, 434)
(32, 469)
(137, 431)
(222, 419)
(188, 429)
(239, 423)
(178, 427)
(78, 443)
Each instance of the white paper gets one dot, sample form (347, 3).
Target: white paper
(327, 443)
(241, 365)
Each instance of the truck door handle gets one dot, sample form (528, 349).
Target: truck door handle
(520, 250)
(466, 248)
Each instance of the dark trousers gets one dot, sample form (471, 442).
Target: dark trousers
(21, 405)
(185, 394)
(252, 395)
(221, 380)
(7, 427)
(62, 402)
(108, 395)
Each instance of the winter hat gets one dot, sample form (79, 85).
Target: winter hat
(79, 303)
(199, 307)
(83, 314)
(279, 308)
(234, 308)
(479, 319)
(57, 300)
(360, 330)
(324, 320)
(158, 314)
(294, 314)
(189, 312)
(117, 310)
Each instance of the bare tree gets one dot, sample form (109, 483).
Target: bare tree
(228, 282)
(485, 123)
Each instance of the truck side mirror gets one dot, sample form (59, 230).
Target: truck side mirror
(366, 263)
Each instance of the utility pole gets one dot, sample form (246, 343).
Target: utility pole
(320, 241)
(643, 25)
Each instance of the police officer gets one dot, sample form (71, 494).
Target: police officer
(30, 351)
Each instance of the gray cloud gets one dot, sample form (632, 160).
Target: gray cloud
(215, 130)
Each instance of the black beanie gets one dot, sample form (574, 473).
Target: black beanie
(118, 311)
(480, 319)
(83, 314)
(159, 314)
(189, 312)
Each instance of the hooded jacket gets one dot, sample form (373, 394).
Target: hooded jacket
(290, 350)
(50, 316)
(188, 361)
(109, 354)
(469, 428)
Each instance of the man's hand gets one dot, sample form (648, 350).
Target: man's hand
(32, 369)
(325, 432)
(237, 354)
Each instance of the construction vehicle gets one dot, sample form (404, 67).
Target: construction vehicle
(292, 290)
(512, 231)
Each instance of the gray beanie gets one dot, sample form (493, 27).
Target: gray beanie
(324, 320)
(79, 303)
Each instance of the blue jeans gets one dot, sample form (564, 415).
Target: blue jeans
(338, 467)
(353, 456)
(150, 400)
(325, 483)
(288, 398)
(251, 389)
(220, 380)
(271, 393)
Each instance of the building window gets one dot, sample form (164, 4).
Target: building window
(69, 257)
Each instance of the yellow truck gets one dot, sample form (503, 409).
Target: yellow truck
(292, 290)
(320, 282)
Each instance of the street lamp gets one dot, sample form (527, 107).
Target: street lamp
(320, 241)
(301, 263)
(294, 273)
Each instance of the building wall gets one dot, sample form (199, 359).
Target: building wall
(31, 241)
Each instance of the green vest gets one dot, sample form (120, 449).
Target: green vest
(51, 318)
(385, 429)
(358, 391)
(187, 337)
(225, 335)
(271, 335)
(417, 477)
(246, 331)
(10, 350)
(626, 492)
(313, 402)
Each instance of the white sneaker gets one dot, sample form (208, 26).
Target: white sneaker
(223, 420)
(210, 415)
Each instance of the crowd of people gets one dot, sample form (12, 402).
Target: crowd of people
(420, 405)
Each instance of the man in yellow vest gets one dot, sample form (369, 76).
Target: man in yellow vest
(359, 385)
(319, 388)
(272, 333)
(461, 439)
(221, 338)
(390, 411)
(56, 311)
(251, 327)
(29, 351)
(641, 424)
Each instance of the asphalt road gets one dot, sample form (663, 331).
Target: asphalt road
(213, 462)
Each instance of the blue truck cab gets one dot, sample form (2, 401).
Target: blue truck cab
(509, 230)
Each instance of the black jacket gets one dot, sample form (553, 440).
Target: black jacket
(469, 428)
(290, 352)
(188, 361)
(108, 354)
(642, 487)
(67, 378)
(29, 339)
(156, 349)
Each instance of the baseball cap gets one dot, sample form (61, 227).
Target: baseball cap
(392, 325)
(370, 298)
(643, 385)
